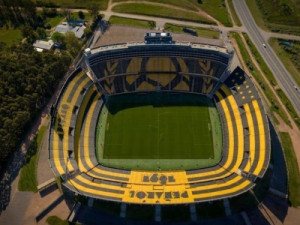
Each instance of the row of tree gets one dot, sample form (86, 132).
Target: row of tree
(18, 12)
(27, 80)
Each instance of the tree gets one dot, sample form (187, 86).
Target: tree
(29, 34)
(88, 32)
(27, 80)
(58, 37)
(81, 15)
(41, 33)
(73, 45)
(66, 12)
(93, 9)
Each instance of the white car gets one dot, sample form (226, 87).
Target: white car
(296, 88)
(264, 45)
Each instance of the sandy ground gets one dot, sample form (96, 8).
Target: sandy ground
(122, 34)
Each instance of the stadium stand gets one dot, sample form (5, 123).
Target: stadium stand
(188, 68)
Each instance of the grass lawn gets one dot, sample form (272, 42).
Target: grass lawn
(55, 20)
(132, 22)
(293, 169)
(168, 128)
(78, 3)
(54, 220)
(217, 9)
(28, 180)
(203, 32)
(160, 11)
(75, 16)
(234, 14)
(289, 56)
(9, 36)
(186, 4)
(278, 16)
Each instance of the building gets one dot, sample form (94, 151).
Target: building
(40, 45)
(78, 30)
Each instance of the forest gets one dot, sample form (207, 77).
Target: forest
(27, 80)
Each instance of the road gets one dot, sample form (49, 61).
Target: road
(283, 77)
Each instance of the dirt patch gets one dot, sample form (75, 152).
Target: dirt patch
(123, 34)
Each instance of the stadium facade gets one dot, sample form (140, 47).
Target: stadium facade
(159, 64)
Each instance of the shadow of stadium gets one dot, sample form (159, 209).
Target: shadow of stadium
(156, 99)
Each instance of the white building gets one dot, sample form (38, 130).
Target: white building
(40, 45)
(65, 27)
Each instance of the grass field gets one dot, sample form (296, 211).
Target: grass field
(293, 169)
(10, 36)
(55, 220)
(185, 4)
(77, 3)
(203, 32)
(132, 22)
(28, 181)
(160, 11)
(290, 56)
(55, 20)
(278, 16)
(217, 9)
(159, 131)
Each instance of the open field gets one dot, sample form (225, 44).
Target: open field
(132, 22)
(77, 4)
(278, 16)
(201, 32)
(55, 20)
(54, 220)
(293, 169)
(28, 180)
(160, 128)
(289, 56)
(160, 11)
(215, 8)
(218, 10)
(9, 36)
(185, 4)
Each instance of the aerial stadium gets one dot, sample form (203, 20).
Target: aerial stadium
(159, 122)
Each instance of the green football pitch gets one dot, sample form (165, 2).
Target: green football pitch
(158, 131)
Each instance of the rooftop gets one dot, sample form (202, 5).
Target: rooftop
(77, 30)
(45, 45)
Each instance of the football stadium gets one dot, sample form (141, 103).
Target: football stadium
(159, 122)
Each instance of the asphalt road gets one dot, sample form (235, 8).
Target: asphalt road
(283, 77)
